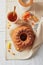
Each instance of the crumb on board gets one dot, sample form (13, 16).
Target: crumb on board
(11, 52)
(8, 25)
(9, 48)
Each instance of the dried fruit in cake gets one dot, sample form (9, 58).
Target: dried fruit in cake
(22, 37)
(12, 16)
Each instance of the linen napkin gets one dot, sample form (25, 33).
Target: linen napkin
(39, 36)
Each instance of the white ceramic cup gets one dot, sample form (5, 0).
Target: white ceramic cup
(22, 8)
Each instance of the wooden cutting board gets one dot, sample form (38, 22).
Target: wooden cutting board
(36, 9)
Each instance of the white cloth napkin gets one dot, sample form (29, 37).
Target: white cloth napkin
(39, 36)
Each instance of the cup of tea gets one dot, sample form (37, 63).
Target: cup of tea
(26, 3)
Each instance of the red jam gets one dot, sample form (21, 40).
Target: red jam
(12, 17)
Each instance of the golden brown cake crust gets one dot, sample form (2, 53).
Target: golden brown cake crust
(22, 37)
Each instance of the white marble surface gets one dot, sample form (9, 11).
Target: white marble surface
(36, 60)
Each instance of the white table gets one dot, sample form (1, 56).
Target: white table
(36, 60)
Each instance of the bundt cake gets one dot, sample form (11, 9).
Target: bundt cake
(22, 37)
